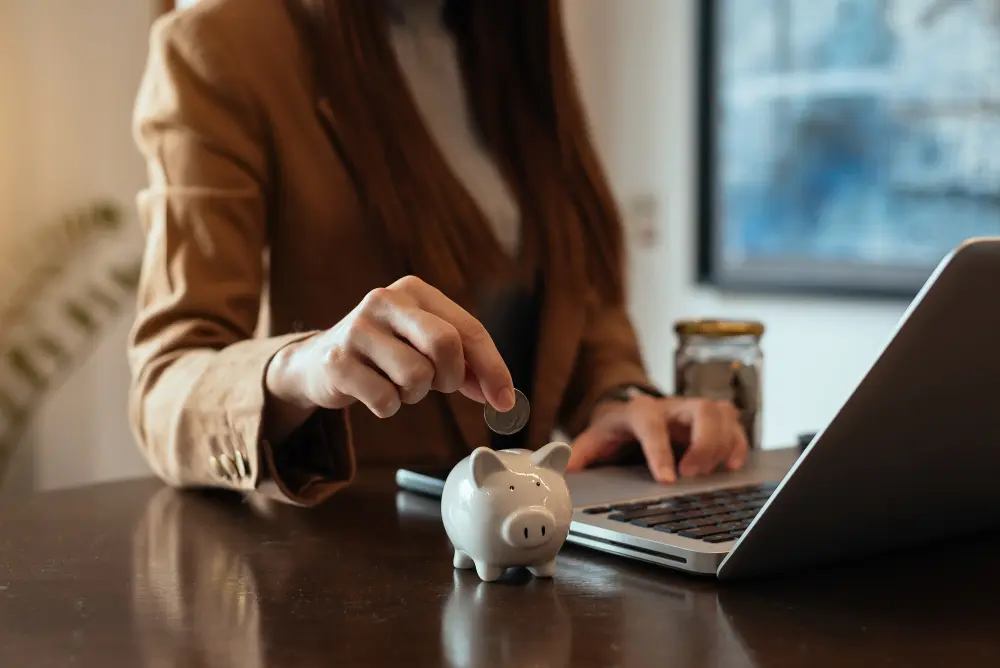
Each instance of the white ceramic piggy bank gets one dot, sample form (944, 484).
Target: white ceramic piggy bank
(504, 508)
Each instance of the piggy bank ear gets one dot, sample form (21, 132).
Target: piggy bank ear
(553, 456)
(484, 463)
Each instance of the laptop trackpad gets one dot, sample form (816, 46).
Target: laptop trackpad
(613, 483)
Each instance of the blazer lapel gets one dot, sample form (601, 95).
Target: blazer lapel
(562, 323)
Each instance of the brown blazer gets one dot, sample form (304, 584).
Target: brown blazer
(255, 238)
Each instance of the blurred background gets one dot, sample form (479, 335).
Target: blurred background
(803, 163)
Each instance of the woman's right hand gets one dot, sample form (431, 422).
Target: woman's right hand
(397, 345)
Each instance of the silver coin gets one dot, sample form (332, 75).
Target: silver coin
(513, 420)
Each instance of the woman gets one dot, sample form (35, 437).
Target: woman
(355, 202)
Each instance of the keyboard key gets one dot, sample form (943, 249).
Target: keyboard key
(654, 520)
(673, 527)
(718, 538)
(734, 526)
(658, 508)
(748, 505)
(694, 524)
(674, 518)
(597, 510)
(655, 515)
(709, 530)
(708, 499)
(626, 507)
(703, 521)
(702, 532)
(723, 537)
(716, 509)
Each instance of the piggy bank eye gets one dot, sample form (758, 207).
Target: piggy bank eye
(538, 483)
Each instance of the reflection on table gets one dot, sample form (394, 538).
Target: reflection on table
(135, 574)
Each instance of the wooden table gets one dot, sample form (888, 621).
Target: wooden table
(136, 574)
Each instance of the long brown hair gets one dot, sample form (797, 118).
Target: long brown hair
(528, 111)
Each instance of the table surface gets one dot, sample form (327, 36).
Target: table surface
(137, 574)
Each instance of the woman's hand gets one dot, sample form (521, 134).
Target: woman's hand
(397, 345)
(710, 429)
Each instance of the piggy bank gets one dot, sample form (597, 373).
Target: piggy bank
(504, 508)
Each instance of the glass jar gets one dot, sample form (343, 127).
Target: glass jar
(722, 360)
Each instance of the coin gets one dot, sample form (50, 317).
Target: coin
(513, 420)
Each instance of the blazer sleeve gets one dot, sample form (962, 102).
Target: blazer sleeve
(609, 357)
(197, 399)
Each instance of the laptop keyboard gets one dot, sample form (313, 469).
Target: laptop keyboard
(714, 517)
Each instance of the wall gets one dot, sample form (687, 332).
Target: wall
(75, 72)
(12, 117)
(637, 67)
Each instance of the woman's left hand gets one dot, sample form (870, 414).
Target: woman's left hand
(710, 430)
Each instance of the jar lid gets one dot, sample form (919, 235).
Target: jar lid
(719, 328)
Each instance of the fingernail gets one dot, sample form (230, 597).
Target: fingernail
(667, 475)
(507, 399)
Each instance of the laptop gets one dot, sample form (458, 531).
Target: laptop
(912, 457)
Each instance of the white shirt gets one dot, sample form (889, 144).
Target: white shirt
(428, 56)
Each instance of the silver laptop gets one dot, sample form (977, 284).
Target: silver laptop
(912, 457)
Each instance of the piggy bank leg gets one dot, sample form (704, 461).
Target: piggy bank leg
(462, 560)
(488, 573)
(544, 570)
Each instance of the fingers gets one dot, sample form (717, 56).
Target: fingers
(479, 350)
(437, 341)
(741, 448)
(417, 339)
(591, 447)
(648, 421)
(356, 379)
(643, 420)
(411, 372)
(710, 437)
(716, 436)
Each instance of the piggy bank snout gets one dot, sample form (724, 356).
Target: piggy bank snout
(529, 527)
